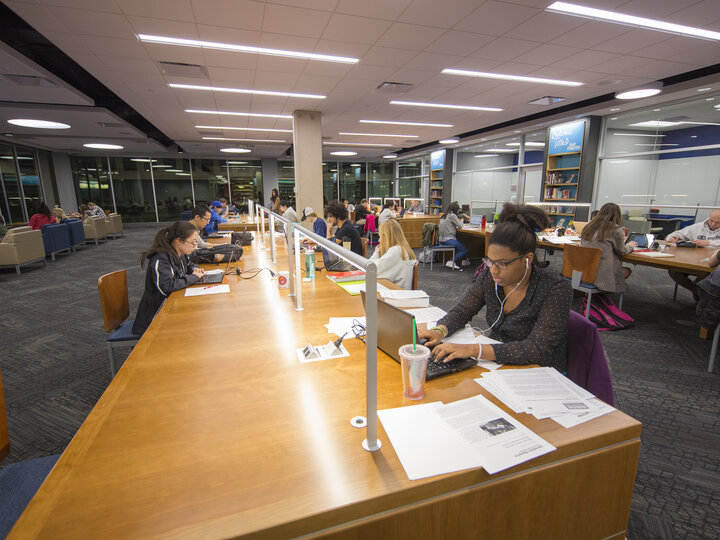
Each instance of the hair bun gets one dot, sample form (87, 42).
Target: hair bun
(533, 218)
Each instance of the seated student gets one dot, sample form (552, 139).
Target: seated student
(60, 214)
(204, 251)
(318, 224)
(605, 232)
(42, 216)
(288, 212)
(447, 233)
(394, 258)
(338, 217)
(200, 218)
(416, 207)
(84, 212)
(95, 210)
(215, 218)
(169, 269)
(527, 307)
(223, 212)
(708, 307)
(388, 212)
(361, 212)
(706, 233)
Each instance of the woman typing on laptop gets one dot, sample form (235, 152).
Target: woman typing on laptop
(169, 269)
(527, 307)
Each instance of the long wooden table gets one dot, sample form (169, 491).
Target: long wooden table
(213, 429)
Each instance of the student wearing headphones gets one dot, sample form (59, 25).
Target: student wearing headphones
(527, 307)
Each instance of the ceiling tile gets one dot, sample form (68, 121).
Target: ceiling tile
(387, 10)
(354, 29)
(276, 80)
(459, 43)
(434, 13)
(229, 59)
(495, 18)
(65, 41)
(278, 63)
(699, 14)
(314, 84)
(168, 53)
(409, 36)
(545, 26)
(504, 49)
(703, 57)
(227, 34)
(327, 69)
(322, 5)
(290, 43)
(295, 21)
(433, 62)
(372, 73)
(177, 10)
(130, 65)
(340, 48)
(163, 27)
(675, 45)
(546, 54)
(654, 9)
(233, 77)
(619, 65)
(92, 5)
(385, 56)
(94, 22)
(412, 76)
(587, 59)
(632, 41)
(124, 48)
(242, 14)
(590, 34)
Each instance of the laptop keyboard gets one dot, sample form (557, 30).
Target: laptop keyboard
(438, 369)
(212, 278)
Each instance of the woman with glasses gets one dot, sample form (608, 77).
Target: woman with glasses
(527, 307)
(169, 269)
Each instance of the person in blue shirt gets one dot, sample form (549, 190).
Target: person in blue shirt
(319, 226)
(214, 218)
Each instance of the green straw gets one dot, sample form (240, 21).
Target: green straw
(414, 335)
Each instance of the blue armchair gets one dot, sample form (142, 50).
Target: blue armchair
(77, 233)
(56, 238)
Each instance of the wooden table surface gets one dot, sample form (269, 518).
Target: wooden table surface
(213, 429)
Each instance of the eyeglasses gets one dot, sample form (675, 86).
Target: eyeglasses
(206, 218)
(501, 265)
(359, 330)
(195, 243)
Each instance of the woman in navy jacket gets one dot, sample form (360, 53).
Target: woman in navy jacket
(169, 269)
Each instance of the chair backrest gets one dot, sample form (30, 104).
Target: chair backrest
(581, 259)
(10, 234)
(634, 212)
(4, 436)
(579, 226)
(186, 215)
(364, 242)
(415, 276)
(587, 364)
(114, 302)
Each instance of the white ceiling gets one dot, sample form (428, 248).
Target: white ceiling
(408, 41)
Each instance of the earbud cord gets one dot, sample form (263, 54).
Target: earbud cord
(502, 302)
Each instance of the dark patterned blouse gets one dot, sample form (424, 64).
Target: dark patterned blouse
(535, 332)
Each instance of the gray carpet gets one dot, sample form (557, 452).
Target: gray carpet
(55, 367)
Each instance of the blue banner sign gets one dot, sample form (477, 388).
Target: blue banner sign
(566, 138)
(437, 160)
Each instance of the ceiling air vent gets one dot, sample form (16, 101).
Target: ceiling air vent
(30, 80)
(180, 69)
(547, 100)
(388, 87)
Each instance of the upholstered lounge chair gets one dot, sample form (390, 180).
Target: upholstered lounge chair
(56, 238)
(21, 246)
(95, 229)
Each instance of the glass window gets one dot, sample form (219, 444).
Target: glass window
(12, 209)
(286, 182)
(245, 183)
(410, 178)
(30, 179)
(381, 178)
(133, 188)
(91, 179)
(352, 181)
(173, 190)
(210, 180)
(330, 181)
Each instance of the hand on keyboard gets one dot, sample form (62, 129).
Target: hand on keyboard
(446, 352)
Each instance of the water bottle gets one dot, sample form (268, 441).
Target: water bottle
(309, 264)
(484, 222)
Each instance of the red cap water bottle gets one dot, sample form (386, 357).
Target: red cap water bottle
(483, 222)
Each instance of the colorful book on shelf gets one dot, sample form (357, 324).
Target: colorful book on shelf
(343, 277)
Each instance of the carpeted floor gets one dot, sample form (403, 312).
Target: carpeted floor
(55, 367)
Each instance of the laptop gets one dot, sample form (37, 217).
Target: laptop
(476, 220)
(215, 278)
(644, 241)
(395, 329)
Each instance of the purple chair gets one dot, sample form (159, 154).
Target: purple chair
(587, 364)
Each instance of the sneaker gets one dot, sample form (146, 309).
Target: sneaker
(465, 262)
(451, 264)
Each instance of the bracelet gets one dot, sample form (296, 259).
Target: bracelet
(441, 330)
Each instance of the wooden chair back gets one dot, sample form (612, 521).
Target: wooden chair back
(582, 259)
(114, 302)
(364, 242)
(4, 436)
(415, 276)
(579, 226)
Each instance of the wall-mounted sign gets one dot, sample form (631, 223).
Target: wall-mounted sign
(566, 138)
(437, 160)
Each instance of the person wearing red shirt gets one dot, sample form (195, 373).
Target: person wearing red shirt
(41, 217)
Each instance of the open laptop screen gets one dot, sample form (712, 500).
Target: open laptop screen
(644, 241)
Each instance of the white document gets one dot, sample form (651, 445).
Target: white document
(428, 314)
(571, 420)
(402, 298)
(216, 271)
(653, 254)
(343, 325)
(402, 294)
(466, 336)
(207, 289)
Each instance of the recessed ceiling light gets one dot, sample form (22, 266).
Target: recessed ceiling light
(615, 109)
(404, 123)
(38, 124)
(245, 49)
(445, 106)
(638, 93)
(355, 165)
(656, 110)
(182, 174)
(342, 153)
(655, 124)
(390, 156)
(246, 128)
(527, 143)
(501, 150)
(706, 89)
(450, 140)
(143, 160)
(631, 20)
(614, 118)
(244, 91)
(505, 77)
(161, 166)
(378, 135)
(639, 134)
(174, 170)
(242, 140)
(237, 162)
(710, 99)
(236, 150)
(103, 146)
(656, 144)
(330, 143)
(230, 113)
(485, 155)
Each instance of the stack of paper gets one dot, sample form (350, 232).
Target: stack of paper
(342, 326)
(434, 438)
(406, 299)
(544, 393)
(467, 336)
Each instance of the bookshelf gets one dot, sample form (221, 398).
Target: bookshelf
(437, 160)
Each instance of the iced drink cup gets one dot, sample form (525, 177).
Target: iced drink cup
(413, 363)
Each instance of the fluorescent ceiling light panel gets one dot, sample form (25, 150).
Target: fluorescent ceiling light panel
(486, 155)
(244, 140)
(245, 128)
(244, 91)
(449, 140)
(245, 49)
(505, 77)
(355, 144)
(236, 150)
(655, 124)
(230, 113)
(445, 106)
(501, 150)
(425, 124)
(529, 143)
(342, 153)
(638, 134)
(656, 144)
(103, 146)
(378, 135)
(638, 93)
(143, 160)
(390, 156)
(38, 124)
(631, 20)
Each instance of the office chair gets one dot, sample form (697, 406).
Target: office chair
(115, 305)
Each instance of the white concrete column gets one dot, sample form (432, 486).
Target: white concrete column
(307, 150)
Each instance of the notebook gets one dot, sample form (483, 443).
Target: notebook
(395, 329)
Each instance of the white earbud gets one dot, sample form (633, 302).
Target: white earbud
(527, 264)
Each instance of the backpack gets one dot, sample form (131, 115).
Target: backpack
(426, 255)
(228, 252)
(606, 315)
